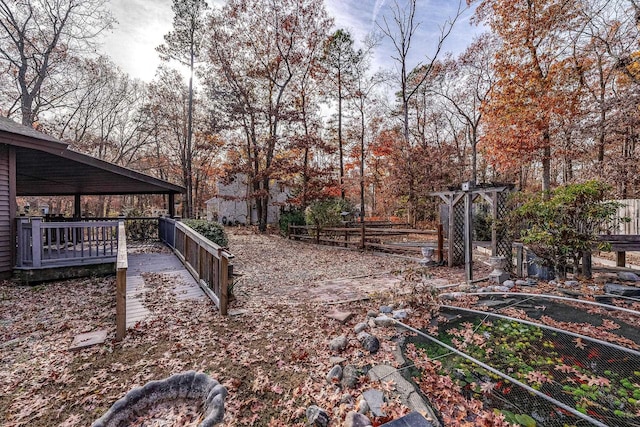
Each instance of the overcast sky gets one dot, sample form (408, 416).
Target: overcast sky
(142, 24)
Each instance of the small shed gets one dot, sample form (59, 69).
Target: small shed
(35, 164)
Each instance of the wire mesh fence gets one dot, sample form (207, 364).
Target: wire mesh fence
(556, 364)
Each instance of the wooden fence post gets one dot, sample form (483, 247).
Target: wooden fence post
(121, 304)
(121, 283)
(440, 243)
(224, 281)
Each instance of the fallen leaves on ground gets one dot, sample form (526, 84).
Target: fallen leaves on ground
(273, 359)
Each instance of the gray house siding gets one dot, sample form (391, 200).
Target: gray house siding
(7, 209)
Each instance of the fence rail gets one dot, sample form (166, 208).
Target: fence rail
(373, 238)
(53, 244)
(207, 262)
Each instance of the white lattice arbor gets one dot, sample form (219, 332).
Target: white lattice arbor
(460, 219)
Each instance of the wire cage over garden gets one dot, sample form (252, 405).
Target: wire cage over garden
(542, 360)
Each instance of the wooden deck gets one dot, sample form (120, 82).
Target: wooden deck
(185, 286)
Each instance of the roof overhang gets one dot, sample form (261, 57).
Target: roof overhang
(40, 173)
(46, 167)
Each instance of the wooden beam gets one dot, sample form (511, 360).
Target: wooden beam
(172, 205)
(621, 259)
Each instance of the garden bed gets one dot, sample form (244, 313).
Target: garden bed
(601, 382)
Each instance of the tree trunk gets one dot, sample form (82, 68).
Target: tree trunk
(189, 153)
(263, 215)
(546, 161)
(340, 148)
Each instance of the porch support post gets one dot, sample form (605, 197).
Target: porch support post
(172, 207)
(77, 207)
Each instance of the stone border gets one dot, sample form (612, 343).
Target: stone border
(187, 385)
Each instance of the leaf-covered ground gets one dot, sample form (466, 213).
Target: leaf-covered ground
(273, 358)
(272, 354)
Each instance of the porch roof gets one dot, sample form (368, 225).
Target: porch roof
(46, 166)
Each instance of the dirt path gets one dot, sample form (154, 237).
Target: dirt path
(296, 272)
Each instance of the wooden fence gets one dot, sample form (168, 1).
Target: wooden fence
(630, 209)
(379, 238)
(207, 262)
(69, 243)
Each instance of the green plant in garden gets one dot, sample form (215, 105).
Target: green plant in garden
(327, 213)
(562, 224)
(292, 217)
(211, 230)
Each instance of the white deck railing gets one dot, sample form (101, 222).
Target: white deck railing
(55, 244)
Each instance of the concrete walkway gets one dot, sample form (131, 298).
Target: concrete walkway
(185, 286)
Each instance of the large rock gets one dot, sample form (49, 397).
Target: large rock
(508, 284)
(412, 419)
(383, 320)
(406, 390)
(355, 419)
(375, 399)
(400, 314)
(317, 417)
(340, 316)
(360, 327)
(386, 309)
(335, 375)
(363, 406)
(350, 376)
(628, 276)
(622, 290)
(334, 360)
(338, 344)
(369, 342)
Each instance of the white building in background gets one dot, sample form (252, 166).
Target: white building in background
(231, 206)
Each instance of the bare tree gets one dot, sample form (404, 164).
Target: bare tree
(259, 55)
(401, 32)
(38, 39)
(464, 84)
(183, 45)
(340, 58)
